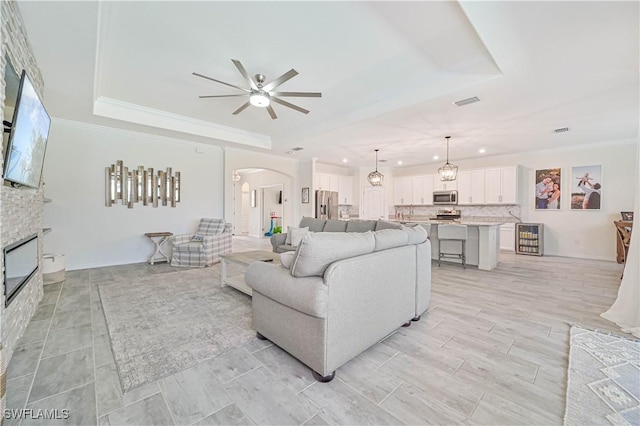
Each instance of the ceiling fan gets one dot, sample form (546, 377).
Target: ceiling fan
(261, 94)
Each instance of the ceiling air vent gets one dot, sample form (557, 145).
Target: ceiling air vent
(297, 148)
(561, 130)
(382, 161)
(467, 101)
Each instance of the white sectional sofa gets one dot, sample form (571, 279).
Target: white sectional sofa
(343, 293)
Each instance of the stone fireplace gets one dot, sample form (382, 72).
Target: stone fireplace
(21, 209)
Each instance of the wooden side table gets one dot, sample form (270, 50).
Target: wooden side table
(159, 239)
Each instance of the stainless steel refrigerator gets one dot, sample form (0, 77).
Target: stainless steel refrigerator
(327, 205)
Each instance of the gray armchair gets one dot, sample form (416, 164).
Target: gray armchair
(204, 248)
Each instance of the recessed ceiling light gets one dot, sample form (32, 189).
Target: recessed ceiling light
(435, 157)
(344, 160)
(399, 162)
(482, 150)
(561, 130)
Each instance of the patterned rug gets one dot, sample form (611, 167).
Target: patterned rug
(603, 379)
(164, 324)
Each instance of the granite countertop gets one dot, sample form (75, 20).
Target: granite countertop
(472, 221)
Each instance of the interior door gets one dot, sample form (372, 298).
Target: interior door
(373, 203)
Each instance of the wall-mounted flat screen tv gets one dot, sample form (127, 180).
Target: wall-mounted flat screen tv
(28, 137)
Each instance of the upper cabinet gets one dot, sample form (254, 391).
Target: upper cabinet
(490, 186)
(345, 190)
(471, 187)
(403, 190)
(338, 183)
(323, 182)
(423, 190)
(439, 185)
(501, 185)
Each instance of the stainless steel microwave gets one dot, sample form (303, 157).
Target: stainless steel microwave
(445, 197)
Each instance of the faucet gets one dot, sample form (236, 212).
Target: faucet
(516, 217)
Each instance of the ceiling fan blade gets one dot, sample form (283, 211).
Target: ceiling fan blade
(221, 82)
(223, 96)
(298, 94)
(289, 105)
(242, 108)
(272, 113)
(278, 81)
(245, 74)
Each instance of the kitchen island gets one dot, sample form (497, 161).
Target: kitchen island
(483, 241)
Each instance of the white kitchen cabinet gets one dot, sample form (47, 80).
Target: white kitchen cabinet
(403, 190)
(509, 185)
(507, 237)
(501, 185)
(334, 183)
(423, 190)
(439, 185)
(471, 187)
(323, 182)
(345, 190)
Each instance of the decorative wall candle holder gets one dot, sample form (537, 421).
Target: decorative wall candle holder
(140, 185)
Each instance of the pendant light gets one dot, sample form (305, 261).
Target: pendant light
(235, 176)
(448, 172)
(376, 178)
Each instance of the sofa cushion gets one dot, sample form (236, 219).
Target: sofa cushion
(314, 225)
(417, 234)
(286, 259)
(318, 250)
(361, 225)
(334, 225)
(390, 238)
(295, 235)
(285, 247)
(383, 224)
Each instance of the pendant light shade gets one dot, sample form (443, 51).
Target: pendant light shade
(448, 172)
(375, 178)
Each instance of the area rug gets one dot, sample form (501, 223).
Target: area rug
(603, 379)
(166, 323)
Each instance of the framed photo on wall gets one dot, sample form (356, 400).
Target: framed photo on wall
(548, 189)
(586, 187)
(305, 195)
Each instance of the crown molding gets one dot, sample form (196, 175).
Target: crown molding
(119, 110)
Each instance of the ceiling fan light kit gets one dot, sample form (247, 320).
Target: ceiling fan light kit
(259, 99)
(448, 172)
(261, 95)
(375, 178)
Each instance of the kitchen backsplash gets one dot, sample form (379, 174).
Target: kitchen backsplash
(504, 213)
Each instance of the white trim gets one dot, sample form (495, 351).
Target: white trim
(148, 136)
(119, 110)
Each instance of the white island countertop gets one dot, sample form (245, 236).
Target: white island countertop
(483, 240)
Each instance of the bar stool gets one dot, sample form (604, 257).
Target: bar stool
(450, 233)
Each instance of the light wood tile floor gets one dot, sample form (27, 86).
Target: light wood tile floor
(492, 349)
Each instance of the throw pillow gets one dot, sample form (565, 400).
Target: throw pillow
(286, 258)
(320, 249)
(299, 234)
(197, 237)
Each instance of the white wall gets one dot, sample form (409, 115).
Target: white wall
(585, 234)
(92, 235)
